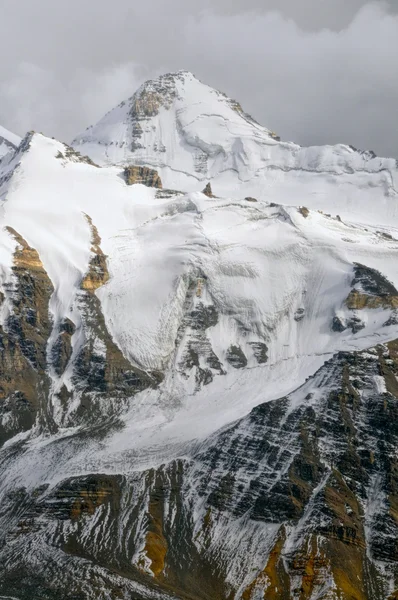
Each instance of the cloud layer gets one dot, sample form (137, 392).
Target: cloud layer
(321, 73)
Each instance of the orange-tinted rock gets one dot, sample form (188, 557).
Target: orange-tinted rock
(97, 274)
(143, 175)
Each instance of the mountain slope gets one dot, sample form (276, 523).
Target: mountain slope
(259, 276)
(197, 393)
(193, 134)
(8, 142)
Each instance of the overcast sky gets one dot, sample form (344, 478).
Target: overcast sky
(315, 71)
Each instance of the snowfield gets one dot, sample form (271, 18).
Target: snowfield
(274, 274)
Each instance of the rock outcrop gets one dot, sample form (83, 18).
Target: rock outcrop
(207, 191)
(143, 175)
(97, 274)
(372, 290)
(23, 342)
(100, 366)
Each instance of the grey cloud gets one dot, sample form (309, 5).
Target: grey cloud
(316, 71)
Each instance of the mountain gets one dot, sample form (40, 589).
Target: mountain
(191, 134)
(8, 142)
(198, 392)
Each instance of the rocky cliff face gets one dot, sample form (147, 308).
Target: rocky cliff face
(198, 392)
(297, 500)
(24, 336)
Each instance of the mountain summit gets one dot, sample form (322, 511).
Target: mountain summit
(191, 134)
(176, 124)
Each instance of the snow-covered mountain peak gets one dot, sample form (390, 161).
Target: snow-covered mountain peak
(162, 91)
(184, 88)
(187, 130)
(192, 134)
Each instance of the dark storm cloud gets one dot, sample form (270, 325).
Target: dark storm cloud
(317, 71)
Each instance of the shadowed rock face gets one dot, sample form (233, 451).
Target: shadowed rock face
(310, 482)
(24, 383)
(371, 290)
(207, 191)
(62, 348)
(236, 357)
(97, 368)
(373, 282)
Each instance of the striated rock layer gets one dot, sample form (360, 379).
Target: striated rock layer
(296, 500)
(148, 177)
